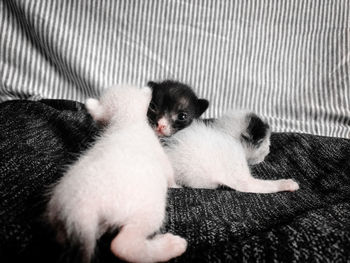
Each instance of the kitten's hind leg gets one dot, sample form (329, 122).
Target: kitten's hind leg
(253, 185)
(82, 231)
(132, 244)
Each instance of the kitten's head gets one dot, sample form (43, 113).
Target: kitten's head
(173, 107)
(251, 130)
(256, 139)
(121, 103)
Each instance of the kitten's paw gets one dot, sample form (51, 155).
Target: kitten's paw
(175, 186)
(254, 161)
(289, 185)
(175, 245)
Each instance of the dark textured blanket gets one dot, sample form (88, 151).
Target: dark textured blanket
(38, 139)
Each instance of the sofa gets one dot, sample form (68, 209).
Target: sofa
(286, 60)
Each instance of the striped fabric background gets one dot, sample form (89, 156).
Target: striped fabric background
(287, 60)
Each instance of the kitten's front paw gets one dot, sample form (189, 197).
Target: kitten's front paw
(172, 183)
(289, 185)
(254, 161)
(175, 186)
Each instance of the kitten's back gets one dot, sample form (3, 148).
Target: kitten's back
(204, 156)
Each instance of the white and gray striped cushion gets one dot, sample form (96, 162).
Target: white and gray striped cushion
(287, 60)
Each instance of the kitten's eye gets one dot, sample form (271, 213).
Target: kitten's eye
(182, 116)
(153, 107)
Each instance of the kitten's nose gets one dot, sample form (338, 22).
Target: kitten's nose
(160, 127)
(163, 127)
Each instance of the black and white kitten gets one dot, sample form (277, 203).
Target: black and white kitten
(218, 153)
(173, 107)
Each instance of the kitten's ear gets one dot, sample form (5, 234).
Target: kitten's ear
(147, 91)
(95, 109)
(203, 105)
(152, 84)
(257, 129)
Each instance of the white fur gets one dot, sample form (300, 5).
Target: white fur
(120, 181)
(235, 123)
(208, 156)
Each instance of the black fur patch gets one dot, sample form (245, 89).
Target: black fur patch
(257, 129)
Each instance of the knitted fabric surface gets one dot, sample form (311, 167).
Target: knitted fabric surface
(39, 139)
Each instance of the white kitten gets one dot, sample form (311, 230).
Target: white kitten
(206, 156)
(120, 181)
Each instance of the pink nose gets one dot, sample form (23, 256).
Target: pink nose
(160, 127)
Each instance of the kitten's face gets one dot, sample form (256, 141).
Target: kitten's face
(173, 107)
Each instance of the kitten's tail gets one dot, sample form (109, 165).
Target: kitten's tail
(131, 244)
